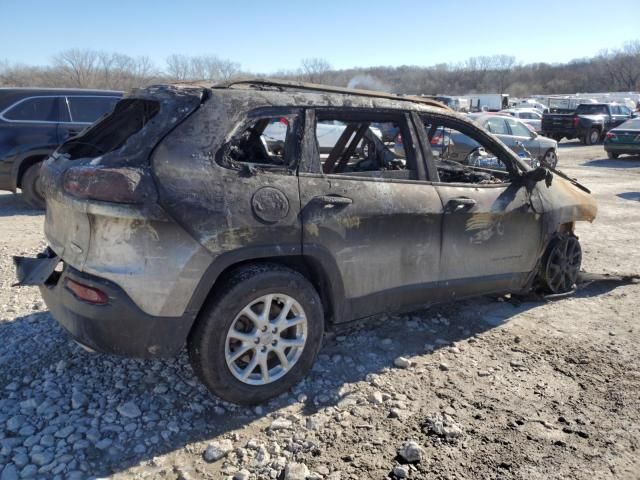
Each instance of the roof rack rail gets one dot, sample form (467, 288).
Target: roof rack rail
(313, 87)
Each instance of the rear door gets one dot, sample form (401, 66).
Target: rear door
(31, 124)
(619, 115)
(368, 213)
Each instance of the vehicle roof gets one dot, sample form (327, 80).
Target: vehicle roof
(601, 104)
(630, 124)
(261, 84)
(525, 109)
(10, 95)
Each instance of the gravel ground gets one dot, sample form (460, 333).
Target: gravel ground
(485, 388)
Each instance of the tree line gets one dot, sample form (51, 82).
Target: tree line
(610, 70)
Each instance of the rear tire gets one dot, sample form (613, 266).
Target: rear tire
(216, 353)
(593, 137)
(30, 185)
(612, 155)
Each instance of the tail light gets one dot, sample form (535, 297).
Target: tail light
(576, 122)
(611, 135)
(120, 185)
(399, 138)
(437, 139)
(86, 293)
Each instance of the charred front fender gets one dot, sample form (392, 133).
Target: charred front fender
(563, 201)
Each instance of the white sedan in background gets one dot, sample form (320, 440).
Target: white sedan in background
(327, 132)
(530, 116)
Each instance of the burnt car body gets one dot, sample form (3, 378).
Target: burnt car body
(34, 122)
(171, 222)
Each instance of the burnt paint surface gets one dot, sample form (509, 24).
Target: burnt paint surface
(499, 235)
(393, 236)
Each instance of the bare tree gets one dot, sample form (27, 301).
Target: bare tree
(79, 66)
(502, 65)
(315, 70)
(205, 67)
(178, 67)
(611, 70)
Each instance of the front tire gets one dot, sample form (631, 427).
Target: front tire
(31, 189)
(612, 155)
(258, 335)
(561, 264)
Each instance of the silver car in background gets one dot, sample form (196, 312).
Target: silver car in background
(530, 116)
(519, 138)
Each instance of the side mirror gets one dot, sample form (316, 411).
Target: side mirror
(537, 175)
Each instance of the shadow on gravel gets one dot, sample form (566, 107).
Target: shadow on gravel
(96, 414)
(629, 162)
(630, 196)
(573, 143)
(12, 204)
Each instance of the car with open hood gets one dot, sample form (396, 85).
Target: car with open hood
(171, 222)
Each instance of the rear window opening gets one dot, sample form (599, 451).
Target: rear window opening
(110, 133)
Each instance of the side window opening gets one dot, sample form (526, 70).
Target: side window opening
(364, 145)
(518, 129)
(497, 126)
(89, 109)
(463, 156)
(265, 141)
(37, 109)
(110, 133)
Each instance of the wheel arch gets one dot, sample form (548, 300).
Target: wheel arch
(321, 272)
(22, 164)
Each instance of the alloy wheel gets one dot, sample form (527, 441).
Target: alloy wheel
(563, 264)
(266, 339)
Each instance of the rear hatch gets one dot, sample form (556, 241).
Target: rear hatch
(104, 173)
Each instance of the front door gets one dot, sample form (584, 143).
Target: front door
(367, 211)
(491, 236)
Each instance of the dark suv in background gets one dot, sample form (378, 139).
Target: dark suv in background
(33, 122)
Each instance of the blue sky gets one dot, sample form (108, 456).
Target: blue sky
(265, 36)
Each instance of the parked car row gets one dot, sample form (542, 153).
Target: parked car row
(590, 122)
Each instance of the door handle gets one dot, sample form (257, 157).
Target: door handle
(73, 133)
(459, 203)
(334, 200)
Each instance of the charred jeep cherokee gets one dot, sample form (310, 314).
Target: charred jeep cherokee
(174, 220)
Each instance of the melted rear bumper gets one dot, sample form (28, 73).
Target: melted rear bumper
(120, 327)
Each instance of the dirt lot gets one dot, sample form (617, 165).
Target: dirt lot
(495, 389)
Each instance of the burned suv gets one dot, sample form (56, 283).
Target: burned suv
(172, 221)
